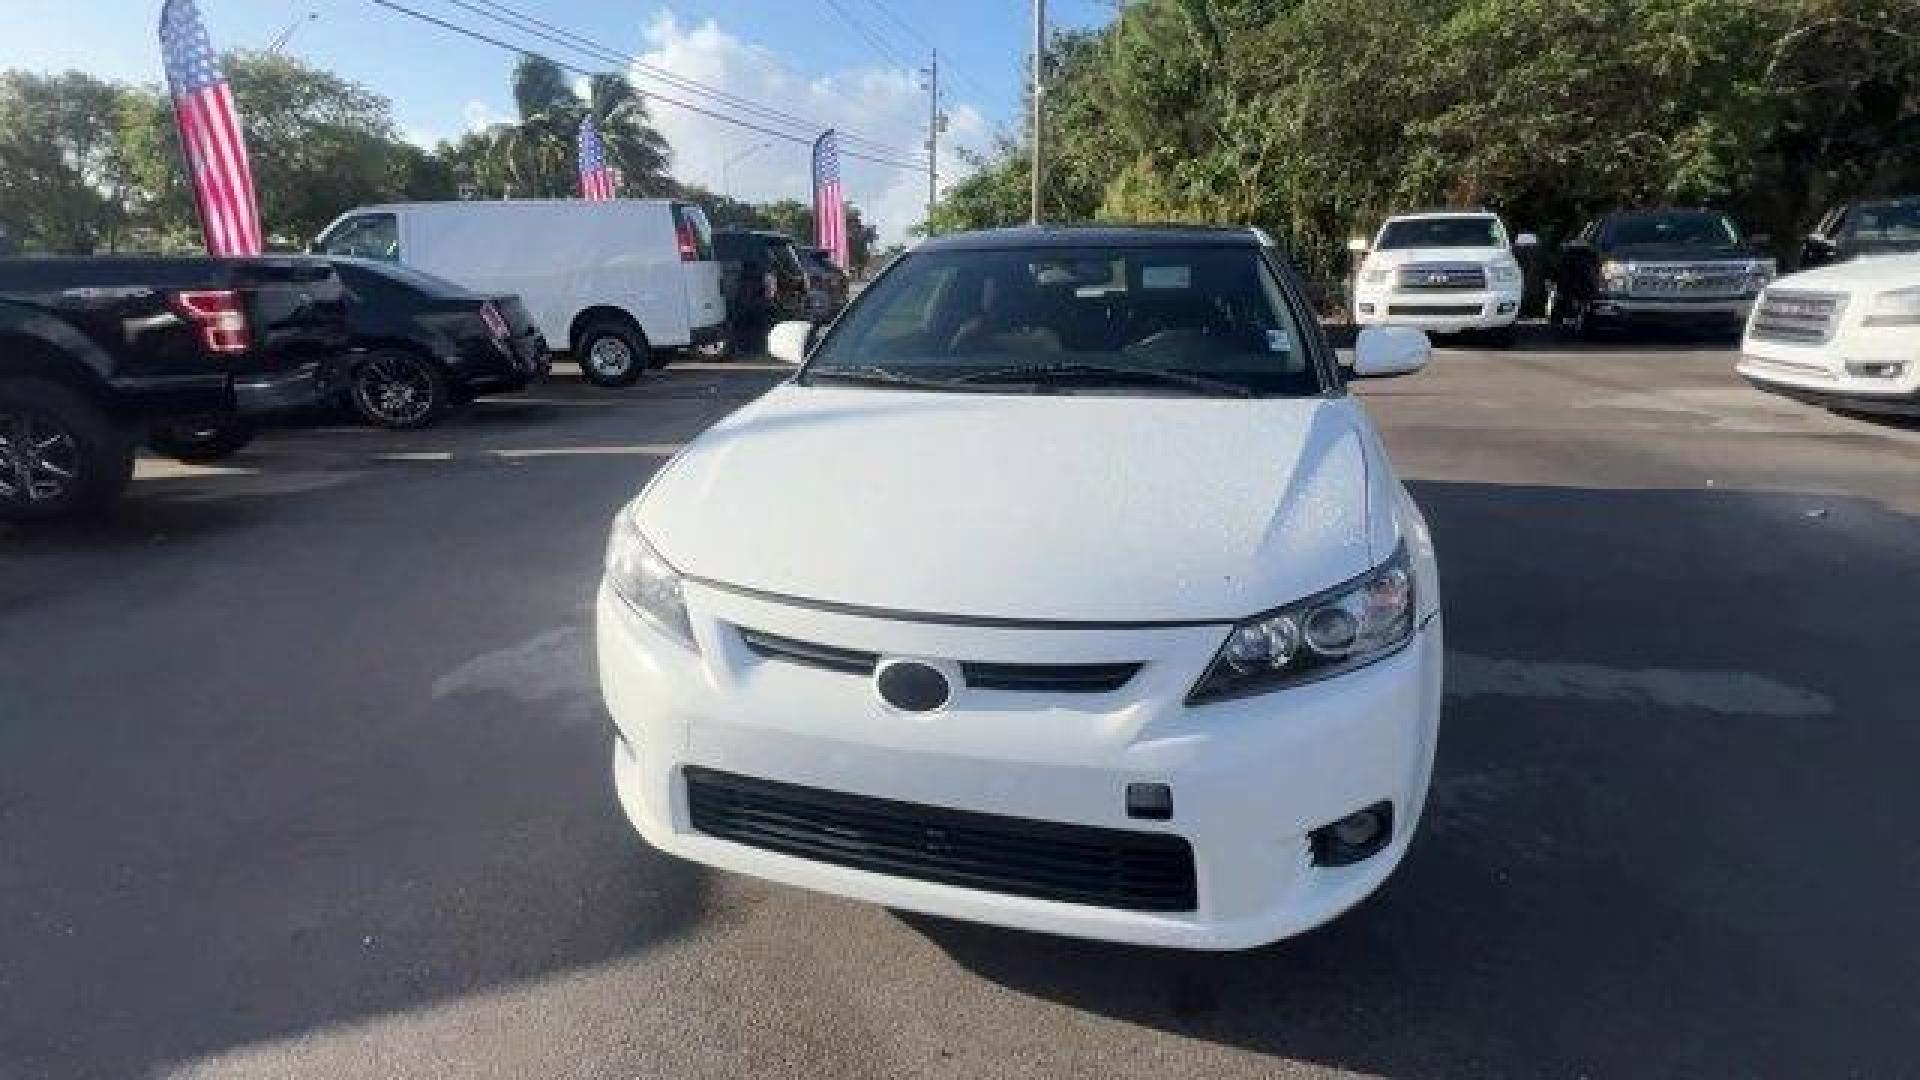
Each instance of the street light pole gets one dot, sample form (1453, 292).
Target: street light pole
(1039, 50)
(726, 167)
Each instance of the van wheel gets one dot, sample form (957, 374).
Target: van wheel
(199, 439)
(59, 454)
(612, 353)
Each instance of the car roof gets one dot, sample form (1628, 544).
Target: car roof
(1084, 236)
(1404, 215)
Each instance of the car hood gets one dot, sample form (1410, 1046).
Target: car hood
(1872, 273)
(1402, 256)
(1054, 507)
(1683, 253)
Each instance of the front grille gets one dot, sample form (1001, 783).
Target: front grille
(1687, 279)
(1433, 309)
(1422, 276)
(1048, 860)
(1801, 318)
(1025, 678)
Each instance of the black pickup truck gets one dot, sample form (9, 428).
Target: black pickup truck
(1678, 267)
(100, 354)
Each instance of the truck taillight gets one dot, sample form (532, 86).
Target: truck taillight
(496, 325)
(219, 315)
(689, 244)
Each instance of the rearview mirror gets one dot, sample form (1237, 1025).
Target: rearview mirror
(1381, 352)
(1357, 244)
(787, 341)
(1525, 239)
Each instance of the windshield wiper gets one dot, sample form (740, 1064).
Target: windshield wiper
(874, 375)
(1047, 372)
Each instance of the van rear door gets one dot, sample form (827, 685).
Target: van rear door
(706, 306)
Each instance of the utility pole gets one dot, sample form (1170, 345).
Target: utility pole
(935, 122)
(281, 41)
(1039, 51)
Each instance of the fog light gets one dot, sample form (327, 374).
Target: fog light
(1153, 802)
(1875, 371)
(1366, 309)
(1355, 837)
(1505, 308)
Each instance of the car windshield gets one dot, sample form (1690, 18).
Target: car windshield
(1675, 230)
(1886, 226)
(1132, 320)
(1441, 232)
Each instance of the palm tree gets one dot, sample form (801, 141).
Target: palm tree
(541, 150)
(633, 145)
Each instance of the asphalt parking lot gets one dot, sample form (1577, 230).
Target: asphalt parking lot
(303, 774)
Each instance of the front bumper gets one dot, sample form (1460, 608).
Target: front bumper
(1717, 310)
(1250, 778)
(1439, 310)
(1830, 373)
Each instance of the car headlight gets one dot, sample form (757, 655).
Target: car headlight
(1374, 275)
(1346, 627)
(1504, 273)
(1901, 307)
(647, 582)
(1614, 274)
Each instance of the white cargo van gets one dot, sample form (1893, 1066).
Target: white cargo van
(614, 282)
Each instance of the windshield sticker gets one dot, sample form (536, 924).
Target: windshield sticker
(1279, 341)
(1166, 277)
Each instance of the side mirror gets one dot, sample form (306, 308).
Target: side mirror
(1526, 239)
(787, 341)
(1357, 244)
(1382, 352)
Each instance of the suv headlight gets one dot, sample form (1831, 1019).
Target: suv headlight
(648, 584)
(1348, 626)
(1374, 275)
(1505, 273)
(1613, 275)
(1901, 307)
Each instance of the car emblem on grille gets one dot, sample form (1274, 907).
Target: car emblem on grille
(1686, 277)
(1437, 277)
(912, 685)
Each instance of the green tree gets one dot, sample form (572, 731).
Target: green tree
(64, 184)
(631, 142)
(542, 149)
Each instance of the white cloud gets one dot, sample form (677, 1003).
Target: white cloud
(882, 104)
(478, 114)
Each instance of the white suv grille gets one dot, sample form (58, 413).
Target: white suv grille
(1796, 316)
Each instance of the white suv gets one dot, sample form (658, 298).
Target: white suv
(1441, 271)
(1846, 336)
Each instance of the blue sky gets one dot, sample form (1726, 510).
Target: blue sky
(801, 56)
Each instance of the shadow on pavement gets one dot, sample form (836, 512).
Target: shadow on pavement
(1626, 868)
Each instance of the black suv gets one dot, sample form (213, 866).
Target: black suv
(1676, 267)
(1873, 227)
(763, 281)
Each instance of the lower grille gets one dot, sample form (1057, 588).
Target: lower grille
(1801, 318)
(1025, 678)
(1433, 309)
(1047, 860)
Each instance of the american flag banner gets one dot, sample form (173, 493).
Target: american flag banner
(211, 140)
(598, 180)
(829, 208)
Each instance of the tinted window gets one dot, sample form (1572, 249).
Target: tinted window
(1218, 313)
(1885, 226)
(408, 277)
(1676, 229)
(1442, 232)
(364, 236)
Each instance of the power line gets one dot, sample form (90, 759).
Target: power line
(540, 28)
(872, 38)
(965, 76)
(476, 35)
